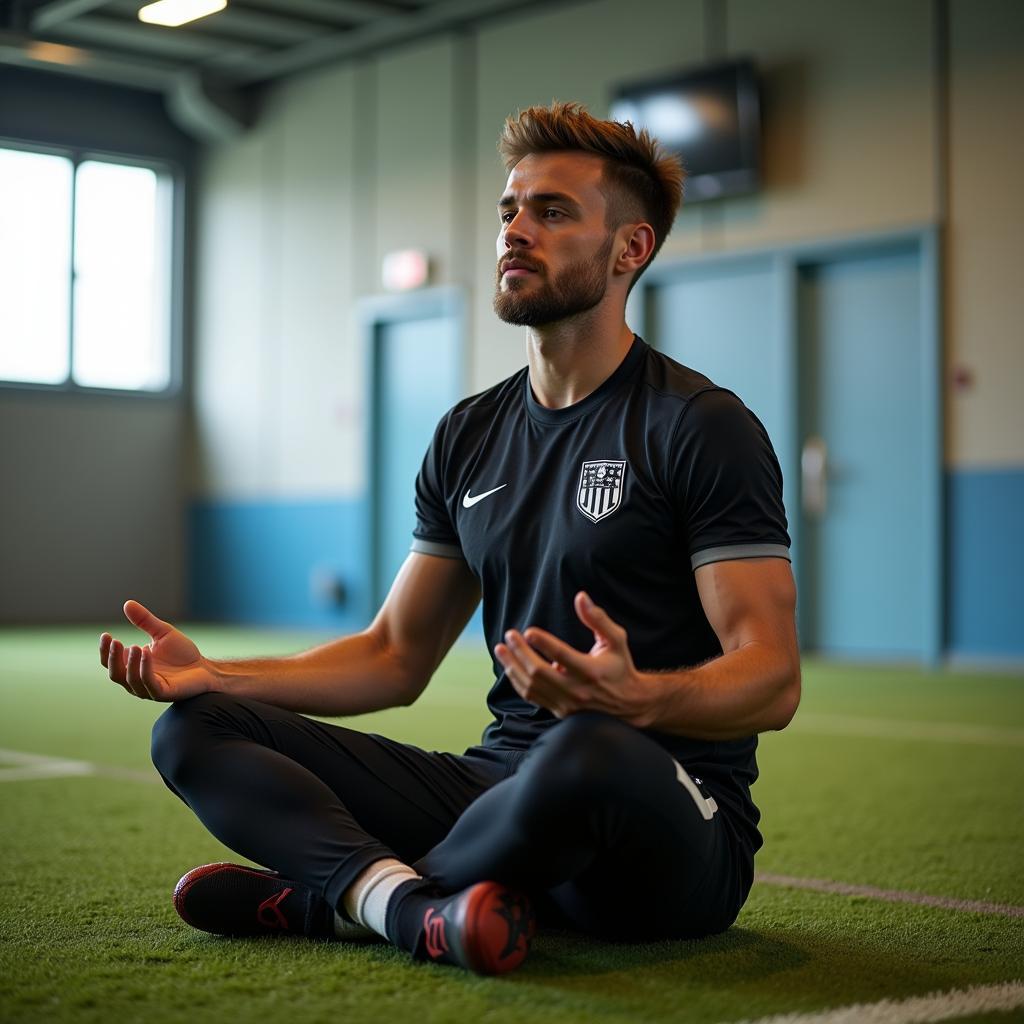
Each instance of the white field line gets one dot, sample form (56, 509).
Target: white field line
(19, 766)
(978, 999)
(889, 895)
(881, 728)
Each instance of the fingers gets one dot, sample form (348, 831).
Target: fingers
(155, 684)
(139, 615)
(135, 674)
(597, 620)
(115, 662)
(105, 640)
(556, 650)
(537, 680)
(131, 668)
(120, 667)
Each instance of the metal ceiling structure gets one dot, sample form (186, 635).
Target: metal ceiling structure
(207, 68)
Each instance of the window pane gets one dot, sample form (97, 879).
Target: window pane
(35, 266)
(122, 277)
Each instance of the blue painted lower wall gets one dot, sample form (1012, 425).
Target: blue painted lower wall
(263, 562)
(257, 562)
(985, 594)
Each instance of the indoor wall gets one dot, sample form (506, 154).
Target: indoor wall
(877, 117)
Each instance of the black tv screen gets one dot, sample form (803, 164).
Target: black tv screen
(710, 117)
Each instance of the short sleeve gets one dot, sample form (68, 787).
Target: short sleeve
(434, 533)
(727, 482)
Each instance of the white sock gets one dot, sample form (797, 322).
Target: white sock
(372, 905)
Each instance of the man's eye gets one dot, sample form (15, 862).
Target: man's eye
(552, 213)
(506, 216)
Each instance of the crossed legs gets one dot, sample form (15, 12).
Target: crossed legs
(595, 817)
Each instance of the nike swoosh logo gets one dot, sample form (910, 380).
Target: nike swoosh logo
(469, 502)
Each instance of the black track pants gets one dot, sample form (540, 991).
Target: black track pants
(597, 819)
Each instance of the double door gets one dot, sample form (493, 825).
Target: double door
(836, 351)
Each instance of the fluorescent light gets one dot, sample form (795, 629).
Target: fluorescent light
(177, 12)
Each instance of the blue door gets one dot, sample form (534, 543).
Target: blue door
(867, 568)
(417, 377)
(724, 321)
(835, 350)
(728, 321)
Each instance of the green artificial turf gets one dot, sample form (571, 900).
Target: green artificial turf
(87, 931)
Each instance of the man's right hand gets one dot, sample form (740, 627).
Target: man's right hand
(170, 668)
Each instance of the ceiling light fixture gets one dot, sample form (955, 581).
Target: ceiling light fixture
(173, 13)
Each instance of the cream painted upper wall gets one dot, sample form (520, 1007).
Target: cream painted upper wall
(350, 163)
(317, 425)
(231, 296)
(986, 225)
(278, 383)
(343, 167)
(849, 119)
(413, 190)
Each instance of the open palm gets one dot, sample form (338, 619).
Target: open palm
(168, 668)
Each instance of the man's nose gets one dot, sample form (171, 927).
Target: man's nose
(516, 233)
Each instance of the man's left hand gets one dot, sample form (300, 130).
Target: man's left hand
(547, 671)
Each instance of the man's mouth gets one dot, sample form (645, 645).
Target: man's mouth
(517, 268)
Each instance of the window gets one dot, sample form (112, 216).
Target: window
(85, 272)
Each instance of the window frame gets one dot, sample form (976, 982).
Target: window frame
(174, 172)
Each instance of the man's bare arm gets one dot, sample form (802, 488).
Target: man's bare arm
(753, 687)
(386, 665)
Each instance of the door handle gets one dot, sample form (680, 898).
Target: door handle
(814, 477)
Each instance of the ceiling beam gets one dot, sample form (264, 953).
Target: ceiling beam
(23, 51)
(145, 39)
(430, 18)
(265, 26)
(51, 14)
(343, 13)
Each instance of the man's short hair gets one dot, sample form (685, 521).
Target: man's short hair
(641, 182)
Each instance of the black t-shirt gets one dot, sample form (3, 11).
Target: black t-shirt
(623, 494)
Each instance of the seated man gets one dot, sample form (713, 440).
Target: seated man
(612, 509)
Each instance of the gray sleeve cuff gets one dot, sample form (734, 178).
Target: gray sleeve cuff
(432, 547)
(731, 552)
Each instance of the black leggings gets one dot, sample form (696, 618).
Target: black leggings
(595, 819)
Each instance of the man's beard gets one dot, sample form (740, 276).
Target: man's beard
(576, 289)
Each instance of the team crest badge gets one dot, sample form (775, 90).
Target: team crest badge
(600, 490)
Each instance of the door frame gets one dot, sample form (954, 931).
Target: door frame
(375, 313)
(786, 262)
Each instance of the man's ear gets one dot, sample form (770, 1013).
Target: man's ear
(635, 245)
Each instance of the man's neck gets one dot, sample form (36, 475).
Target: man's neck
(572, 359)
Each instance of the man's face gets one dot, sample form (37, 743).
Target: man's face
(554, 245)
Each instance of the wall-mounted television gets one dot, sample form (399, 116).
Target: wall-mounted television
(710, 116)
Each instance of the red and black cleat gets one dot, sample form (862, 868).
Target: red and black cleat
(486, 928)
(229, 899)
